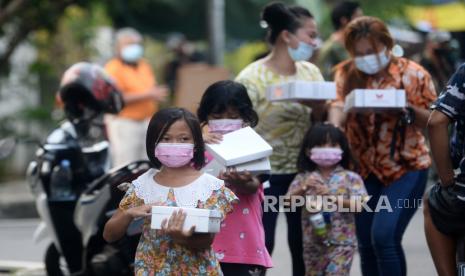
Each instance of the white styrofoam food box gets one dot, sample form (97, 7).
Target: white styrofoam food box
(205, 220)
(301, 90)
(240, 146)
(375, 99)
(256, 167)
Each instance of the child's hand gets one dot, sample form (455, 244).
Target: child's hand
(174, 227)
(244, 181)
(139, 211)
(212, 138)
(232, 176)
(318, 187)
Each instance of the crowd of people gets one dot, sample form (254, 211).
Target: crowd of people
(318, 150)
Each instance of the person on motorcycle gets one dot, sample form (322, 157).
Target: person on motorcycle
(66, 165)
(86, 92)
(444, 207)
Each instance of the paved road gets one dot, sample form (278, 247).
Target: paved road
(18, 249)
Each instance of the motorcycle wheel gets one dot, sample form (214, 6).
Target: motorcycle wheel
(53, 261)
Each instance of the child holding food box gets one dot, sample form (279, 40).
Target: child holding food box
(240, 246)
(176, 149)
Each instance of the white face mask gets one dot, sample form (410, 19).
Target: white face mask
(132, 53)
(303, 52)
(372, 64)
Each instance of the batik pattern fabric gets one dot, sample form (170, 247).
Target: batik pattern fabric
(370, 134)
(281, 124)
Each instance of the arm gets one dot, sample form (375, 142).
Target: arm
(244, 182)
(300, 186)
(116, 227)
(421, 117)
(318, 110)
(424, 94)
(336, 116)
(156, 93)
(439, 138)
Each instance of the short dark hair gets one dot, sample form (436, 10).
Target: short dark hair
(280, 17)
(160, 124)
(344, 9)
(318, 135)
(224, 94)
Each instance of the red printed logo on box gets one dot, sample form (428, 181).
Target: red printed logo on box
(278, 92)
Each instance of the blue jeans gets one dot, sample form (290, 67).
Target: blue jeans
(380, 233)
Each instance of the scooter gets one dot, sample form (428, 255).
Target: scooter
(75, 224)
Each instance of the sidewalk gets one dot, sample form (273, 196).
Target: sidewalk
(16, 200)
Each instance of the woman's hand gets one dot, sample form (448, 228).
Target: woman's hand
(174, 227)
(139, 211)
(212, 138)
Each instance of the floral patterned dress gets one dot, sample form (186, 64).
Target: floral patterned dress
(157, 254)
(334, 255)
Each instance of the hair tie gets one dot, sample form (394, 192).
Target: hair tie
(263, 24)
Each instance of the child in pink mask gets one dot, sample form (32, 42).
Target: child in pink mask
(176, 150)
(240, 245)
(329, 238)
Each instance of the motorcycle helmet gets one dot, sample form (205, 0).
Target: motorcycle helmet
(87, 91)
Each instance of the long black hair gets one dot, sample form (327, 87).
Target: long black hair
(223, 95)
(280, 17)
(160, 124)
(321, 134)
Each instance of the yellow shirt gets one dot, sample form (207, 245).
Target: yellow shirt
(282, 124)
(133, 80)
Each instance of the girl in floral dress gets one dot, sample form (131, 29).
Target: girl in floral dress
(323, 164)
(240, 245)
(175, 148)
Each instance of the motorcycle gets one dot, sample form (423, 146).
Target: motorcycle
(75, 190)
(75, 224)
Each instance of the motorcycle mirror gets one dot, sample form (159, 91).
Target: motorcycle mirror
(7, 146)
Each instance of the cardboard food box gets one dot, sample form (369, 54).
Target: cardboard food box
(240, 146)
(205, 220)
(301, 90)
(256, 167)
(375, 99)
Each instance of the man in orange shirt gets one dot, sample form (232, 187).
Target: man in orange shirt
(136, 81)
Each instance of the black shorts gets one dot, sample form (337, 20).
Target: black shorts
(447, 211)
(231, 269)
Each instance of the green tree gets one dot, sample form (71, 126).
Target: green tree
(20, 18)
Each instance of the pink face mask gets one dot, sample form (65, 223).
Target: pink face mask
(326, 157)
(224, 126)
(174, 155)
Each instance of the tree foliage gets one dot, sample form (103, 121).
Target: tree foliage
(19, 18)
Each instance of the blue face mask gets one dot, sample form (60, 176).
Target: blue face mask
(303, 52)
(132, 53)
(372, 64)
